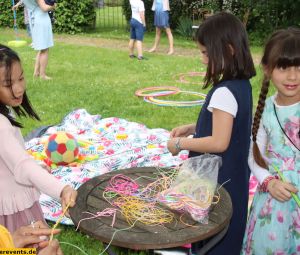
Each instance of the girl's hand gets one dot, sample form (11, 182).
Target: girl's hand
(171, 147)
(52, 249)
(183, 131)
(280, 190)
(68, 195)
(16, 6)
(32, 234)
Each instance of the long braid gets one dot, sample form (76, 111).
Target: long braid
(257, 117)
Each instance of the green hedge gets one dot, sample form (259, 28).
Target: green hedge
(176, 12)
(72, 16)
(7, 16)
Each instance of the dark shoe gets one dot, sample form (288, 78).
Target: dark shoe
(142, 58)
(132, 56)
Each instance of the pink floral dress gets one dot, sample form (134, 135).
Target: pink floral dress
(274, 227)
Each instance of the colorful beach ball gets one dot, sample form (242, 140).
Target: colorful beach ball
(62, 148)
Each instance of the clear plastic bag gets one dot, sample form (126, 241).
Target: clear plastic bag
(193, 189)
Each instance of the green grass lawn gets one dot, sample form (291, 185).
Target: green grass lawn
(103, 81)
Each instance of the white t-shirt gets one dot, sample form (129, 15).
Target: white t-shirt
(137, 6)
(222, 99)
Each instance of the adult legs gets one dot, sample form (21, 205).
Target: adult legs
(43, 63)
(171, 43)
(37, 65)
(157, 39)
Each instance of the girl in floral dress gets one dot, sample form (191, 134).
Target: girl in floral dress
(274, 220)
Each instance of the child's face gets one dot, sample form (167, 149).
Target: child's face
(204, 57)
(12, 94)
(287, 82)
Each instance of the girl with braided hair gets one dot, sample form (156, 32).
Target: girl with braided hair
(273, 224)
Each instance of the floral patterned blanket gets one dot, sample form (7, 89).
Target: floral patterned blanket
(105, 144)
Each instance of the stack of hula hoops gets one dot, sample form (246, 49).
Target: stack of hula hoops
(153, 95)
(159, 92)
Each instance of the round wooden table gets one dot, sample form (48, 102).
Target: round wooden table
(141, 236)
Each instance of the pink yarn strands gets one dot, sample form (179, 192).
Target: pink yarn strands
(121, 184)
(108, 212)
(197, 208)
(138, 203)
(153, 188)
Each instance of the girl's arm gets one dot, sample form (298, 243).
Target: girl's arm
(216, 143)
(261, 139)
(45, 7)
(221, 134)
(24, 168)
(277, 188)
(27, 172)
(183, 131)
(224, 107)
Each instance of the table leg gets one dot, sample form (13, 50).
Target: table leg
(110, 251)
(212, 242)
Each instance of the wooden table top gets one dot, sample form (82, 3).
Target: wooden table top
(141, 236)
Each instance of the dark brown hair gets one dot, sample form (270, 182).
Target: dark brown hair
(281, 51)
(7, 58)
(226, 42)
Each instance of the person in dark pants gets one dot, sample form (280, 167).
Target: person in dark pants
(224, 123)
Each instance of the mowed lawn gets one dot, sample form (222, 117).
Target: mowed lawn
(103, 81)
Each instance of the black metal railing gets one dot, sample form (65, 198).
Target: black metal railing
(109, 14)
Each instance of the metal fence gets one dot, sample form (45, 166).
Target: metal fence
(109, 14)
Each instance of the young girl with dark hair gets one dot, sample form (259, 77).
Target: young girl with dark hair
(273, 225)
(224, 123)
(21, 178)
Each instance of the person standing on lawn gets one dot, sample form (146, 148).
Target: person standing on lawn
(224, 123)
(273, 224)
(42, 35)
(161, 10)
(137, 28)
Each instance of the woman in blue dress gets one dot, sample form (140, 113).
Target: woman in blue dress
(161, 21)
(42, 36)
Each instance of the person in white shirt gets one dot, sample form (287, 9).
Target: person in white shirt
(137, 28)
